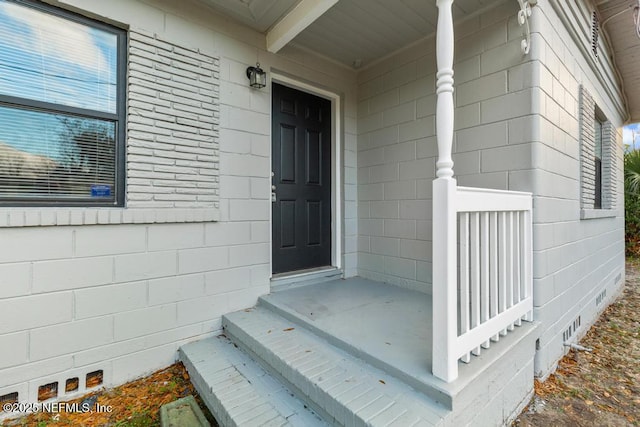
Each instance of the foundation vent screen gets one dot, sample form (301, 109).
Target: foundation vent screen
(94, 379)
(47, 391)
(9, 398)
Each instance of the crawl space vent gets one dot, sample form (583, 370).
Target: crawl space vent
(47, 391)
(72, 385)
(573, 327)
(9, 398)
(94, 379)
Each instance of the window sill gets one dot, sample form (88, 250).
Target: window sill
(49, 216)
(598, 213)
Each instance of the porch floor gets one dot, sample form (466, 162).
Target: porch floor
(385, 325)
(372, 318)
(329, 345)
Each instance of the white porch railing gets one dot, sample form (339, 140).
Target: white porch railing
(482, 277)
(482, 252)
(494, 288)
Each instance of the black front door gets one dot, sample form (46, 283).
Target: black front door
(301, 161)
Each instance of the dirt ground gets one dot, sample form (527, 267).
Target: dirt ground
(601, 388)
(135, 404)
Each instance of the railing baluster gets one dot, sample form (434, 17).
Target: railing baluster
(512, 266)
(484, 270)
(518, 261)
(510, 274)
(528, 259)
(475, 273)
(502, 264)
(464, 277)
(493, 267)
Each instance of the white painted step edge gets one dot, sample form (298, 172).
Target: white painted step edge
(238, 391)
(342, 388)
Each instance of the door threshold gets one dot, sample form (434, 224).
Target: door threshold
(294, 279)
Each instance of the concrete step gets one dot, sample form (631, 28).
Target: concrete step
(338, 386)
(390, 328)
(238, 391)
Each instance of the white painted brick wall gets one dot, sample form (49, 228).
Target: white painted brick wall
(148, 265)
(26, 312)
(221, 281)
(173, 113)
(119, 290)
(177, 288)
(19, 345)
(102, 300)
(19, 377)
(201, 309)
(131, 364)
(132, 324)
(20, 244)
(67, 338)
(202, 260)
(49, 276)
(574, 259)
(15, 279)
(397, 147)
(99, 241)
(121, 310)
(517, 127)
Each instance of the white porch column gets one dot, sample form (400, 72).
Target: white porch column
(444, 282)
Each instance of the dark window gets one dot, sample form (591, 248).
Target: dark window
(597, 203)
(62, 105)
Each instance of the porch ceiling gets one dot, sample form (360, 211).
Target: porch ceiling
(352, 32)
(617, 21)
(358, 32)
(257, 14)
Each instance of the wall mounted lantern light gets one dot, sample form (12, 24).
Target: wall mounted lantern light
(257, 77)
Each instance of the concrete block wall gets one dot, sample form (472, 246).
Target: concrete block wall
(578, 263)
(119, 290)
(397, 151)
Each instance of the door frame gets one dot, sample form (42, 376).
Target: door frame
(336, 162)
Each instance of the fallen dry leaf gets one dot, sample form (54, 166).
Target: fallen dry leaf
(131, 401)
(609, 374)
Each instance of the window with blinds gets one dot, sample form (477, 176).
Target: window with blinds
(62, 107)
(597, 161)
